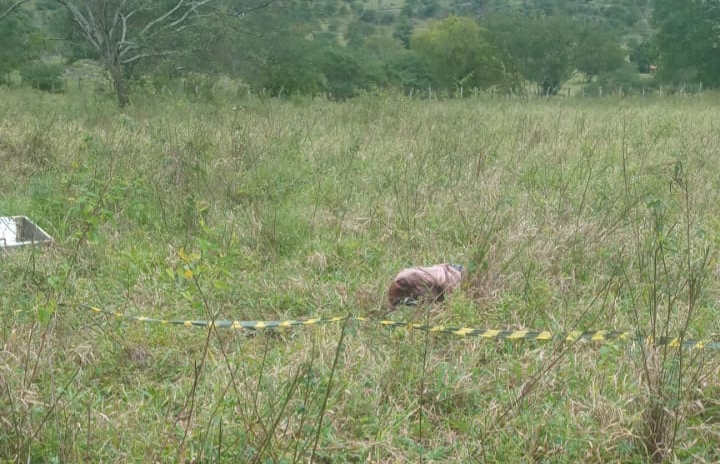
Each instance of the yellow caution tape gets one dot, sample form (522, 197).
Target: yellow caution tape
(531, 335)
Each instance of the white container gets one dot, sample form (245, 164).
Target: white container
(18, 231)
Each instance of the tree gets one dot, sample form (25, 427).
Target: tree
(350, 70)
(542, 48)
(42, 76)
(290, 64)
(459, 54)
(406, 70)
(403, 31)
(429, 9)
(253, 46)
(597, 52)
(357, 33)
(687, 39)
(6, 9)
(124, 32)
(642, 55)
(620, 16)
(20, 41)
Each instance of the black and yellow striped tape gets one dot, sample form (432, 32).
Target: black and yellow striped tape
(530, 335)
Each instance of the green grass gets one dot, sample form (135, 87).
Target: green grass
(570, 213)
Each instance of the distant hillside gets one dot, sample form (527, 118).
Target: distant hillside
(627, 18)
(344, 19)
(344, 47)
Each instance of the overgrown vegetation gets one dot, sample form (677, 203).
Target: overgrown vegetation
(343, 48)
(570, 213)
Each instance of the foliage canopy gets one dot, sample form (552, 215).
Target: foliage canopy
(343, 47)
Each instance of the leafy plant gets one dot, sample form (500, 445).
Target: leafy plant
(673, 262)
(459, 54)
(43, 76)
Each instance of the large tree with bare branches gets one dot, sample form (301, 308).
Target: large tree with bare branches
(124, 32)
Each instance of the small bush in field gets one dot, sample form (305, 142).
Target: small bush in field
(43, 76)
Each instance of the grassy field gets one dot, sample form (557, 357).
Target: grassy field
(571, 214)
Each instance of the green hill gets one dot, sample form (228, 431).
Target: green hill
(627, 18)
(341, 48)
(340, 18)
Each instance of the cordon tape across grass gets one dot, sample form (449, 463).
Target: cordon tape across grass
(530, 335)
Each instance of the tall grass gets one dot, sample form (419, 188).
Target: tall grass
(570, 214)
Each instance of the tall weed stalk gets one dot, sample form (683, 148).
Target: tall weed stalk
(672, 263)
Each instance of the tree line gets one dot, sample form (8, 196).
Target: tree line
(286, 47)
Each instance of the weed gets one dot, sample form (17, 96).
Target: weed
(569, 214)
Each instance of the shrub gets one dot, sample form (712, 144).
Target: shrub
(43, 76)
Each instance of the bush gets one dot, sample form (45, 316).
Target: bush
(387, 18)
(369, 16)
(43, 76)
(407, 70)
(626, 78)
(292, 65)
(348, 71)
(459, 54)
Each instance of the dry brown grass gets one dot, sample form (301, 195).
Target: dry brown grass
(310, 209)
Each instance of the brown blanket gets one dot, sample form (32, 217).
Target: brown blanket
(429, 283)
